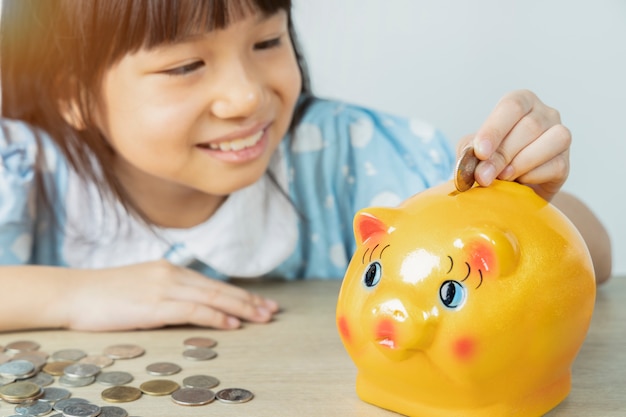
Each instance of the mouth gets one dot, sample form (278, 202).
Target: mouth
(236, 144)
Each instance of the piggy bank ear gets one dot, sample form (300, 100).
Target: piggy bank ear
(372, 222)
(493, 251)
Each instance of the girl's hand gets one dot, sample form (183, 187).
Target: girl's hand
(157, 294)
(522, 140)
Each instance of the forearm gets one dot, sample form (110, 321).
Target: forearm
(593, 232)
(34, 297)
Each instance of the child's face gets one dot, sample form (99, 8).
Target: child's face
(204, 114)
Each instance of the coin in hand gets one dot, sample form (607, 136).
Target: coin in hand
(464, 170)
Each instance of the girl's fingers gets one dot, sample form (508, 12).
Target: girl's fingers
(554, 143)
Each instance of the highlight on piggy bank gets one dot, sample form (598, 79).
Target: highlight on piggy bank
(470, 304)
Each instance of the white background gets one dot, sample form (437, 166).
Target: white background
(449, 61)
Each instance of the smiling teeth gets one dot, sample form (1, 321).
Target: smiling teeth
(238, 144)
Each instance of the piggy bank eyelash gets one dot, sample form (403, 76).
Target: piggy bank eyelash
(380, 255)
(469, 270)
(373, 274)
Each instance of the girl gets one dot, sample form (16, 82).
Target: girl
(152, 148)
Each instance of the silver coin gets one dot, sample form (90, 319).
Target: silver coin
(42, 379)
(163, 368)
(20, 368)
(35, 408)
(81, 370)
(54, 394)
(114, 378)
(112, 411)
(74, 382)
(81, 410)
(464, 170)
(234, 395)
(72, 355)
(193, 396)
(200, 381)
(60, 405)
(199, 354)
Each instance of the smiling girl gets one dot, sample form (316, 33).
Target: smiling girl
(152, 149)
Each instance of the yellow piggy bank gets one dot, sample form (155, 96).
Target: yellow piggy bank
(470, 304)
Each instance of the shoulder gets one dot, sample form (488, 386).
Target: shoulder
(23, 147)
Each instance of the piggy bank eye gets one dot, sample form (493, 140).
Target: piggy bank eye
(372, 275)
(452, 294)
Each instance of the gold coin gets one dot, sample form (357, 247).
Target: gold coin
(20, 391)
(159, 387)
(121, 394)
(56, 368)
(464, 170)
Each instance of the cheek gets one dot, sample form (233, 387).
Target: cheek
(344, 329)
(464, 348)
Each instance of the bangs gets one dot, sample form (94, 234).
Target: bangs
(127, 26)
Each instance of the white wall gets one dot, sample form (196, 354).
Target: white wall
(449, 61)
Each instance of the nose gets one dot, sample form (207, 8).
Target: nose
(238, 91)
(402, 328)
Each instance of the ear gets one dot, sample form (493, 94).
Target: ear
(369, 223)
(493, 251)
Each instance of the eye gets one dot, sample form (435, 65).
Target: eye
(452, 294)
(184, 69)
(268, 44)
(372, 275)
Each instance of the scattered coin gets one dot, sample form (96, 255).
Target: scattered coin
(199, 354)
(75, 382)
(56, 368)
(34, 408)
(61, 404)
(159, 387)
(99, 360)
(196, 342)
(18, 369)
(124, 351)
(20, 391)
(200, 381)
(54, 394)
(81, 410)
(193, 396)
(33, 357)
(112, 411)
(42, 379)
(114, 378)
(163, 368)
(234, 395)
(121, 394)
(72, 355)
(81, 370)
(464, 170)
(21, 346)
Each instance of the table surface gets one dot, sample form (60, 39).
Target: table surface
(296, 365)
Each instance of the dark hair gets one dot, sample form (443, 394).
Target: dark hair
(56, 51)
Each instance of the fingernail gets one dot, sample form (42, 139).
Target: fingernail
(486, 174)
(263, 312)
(233, 322)
(483, 148)
(507, 173)
(271, 305)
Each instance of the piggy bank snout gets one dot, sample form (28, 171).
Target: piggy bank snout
(398, 327)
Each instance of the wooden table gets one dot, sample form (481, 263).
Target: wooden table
(297, 367)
